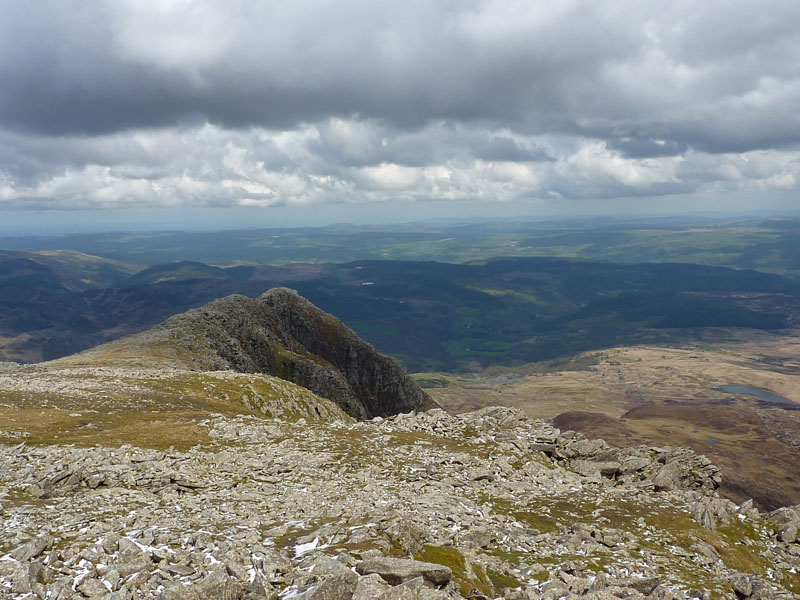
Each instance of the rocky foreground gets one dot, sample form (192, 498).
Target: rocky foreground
(430, 506)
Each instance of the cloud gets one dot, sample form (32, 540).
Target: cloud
(202, 103)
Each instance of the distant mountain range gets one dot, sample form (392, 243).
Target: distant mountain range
(771, 245)
(430, 315)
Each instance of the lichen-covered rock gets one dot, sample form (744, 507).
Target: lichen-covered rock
(335, 587)
(32, 549)
(370, 587)
(398, 570)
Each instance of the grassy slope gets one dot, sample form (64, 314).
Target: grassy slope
(147, 407)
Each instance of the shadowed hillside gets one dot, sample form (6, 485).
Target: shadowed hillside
(429, 315)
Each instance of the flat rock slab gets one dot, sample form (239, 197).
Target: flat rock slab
(589, 468)
(398, 570)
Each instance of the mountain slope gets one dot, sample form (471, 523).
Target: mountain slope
(281, 334)
(431, 316)
(67, 269)
(489, 504)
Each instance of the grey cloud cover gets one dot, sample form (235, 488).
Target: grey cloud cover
(204, 103)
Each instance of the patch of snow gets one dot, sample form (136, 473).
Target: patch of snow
(289, 592)
(301, 549)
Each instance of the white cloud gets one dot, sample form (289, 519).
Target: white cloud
(594, 161)
(211, 166)
(202, 103)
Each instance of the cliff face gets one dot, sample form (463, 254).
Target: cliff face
(280, 334)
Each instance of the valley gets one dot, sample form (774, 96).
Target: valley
(767, 244)
(665, 395)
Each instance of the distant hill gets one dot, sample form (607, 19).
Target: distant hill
(177, 271)
(79, 271)
(68, 269)
(769, 245)
(431, 316)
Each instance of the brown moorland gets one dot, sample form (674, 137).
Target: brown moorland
(665, 396)
(754, 462)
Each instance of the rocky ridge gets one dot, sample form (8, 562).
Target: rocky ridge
(280, 334)
(421, 505)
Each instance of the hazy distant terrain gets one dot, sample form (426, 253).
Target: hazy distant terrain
(771, 245)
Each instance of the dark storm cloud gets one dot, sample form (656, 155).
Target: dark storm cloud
(695, 68)
(205, 102)
(73, 67)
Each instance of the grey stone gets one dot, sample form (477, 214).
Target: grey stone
(258, 589)
(330, 566)
(409, 590)
(179, 569)
(335, 587)
(92, 588)
(643, 585)
(20, 579)
(547, 448)
(179, 592)
(668, 477)
(32, 549)
(481, 537)
(370, 587)
(742, 585)
(591, 468)
(131, 567)
(788, 533)
(219, 585)
(398, 570)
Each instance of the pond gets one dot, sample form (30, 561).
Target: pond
(748, 390)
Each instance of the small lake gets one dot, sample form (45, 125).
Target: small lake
(748, 390)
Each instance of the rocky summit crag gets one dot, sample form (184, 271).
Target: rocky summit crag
(281, 334)
(424, 506)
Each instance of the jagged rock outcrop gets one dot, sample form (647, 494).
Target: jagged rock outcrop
(787, 521)
(281, 334)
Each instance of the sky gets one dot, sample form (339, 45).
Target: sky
(217, 114)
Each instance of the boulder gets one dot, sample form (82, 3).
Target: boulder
(668, 477)
(398, 570)
(410, 590)
(32, 549)
(370, 587)
(336, 587)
